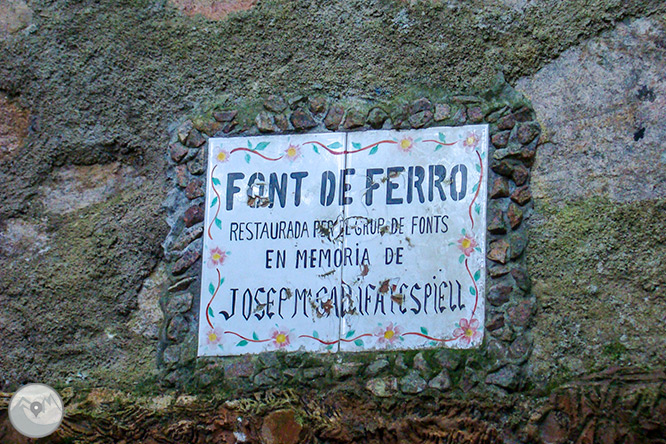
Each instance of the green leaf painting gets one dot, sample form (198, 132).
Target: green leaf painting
(216, 181)
(261, 146)
(210, 312)
(242, 343)
(211, 288)
(213, 202)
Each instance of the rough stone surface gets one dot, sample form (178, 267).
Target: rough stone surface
(281, 427)
(383, 387)
(507, 377)
(186, 261)
(442, 112)
(212, 9)
(16, 15)
(354, 119)
(498, 251)
(377, 366)
(334, 117)
(593, 102)
(377, 117)
(302, 119)
(441, 382)
(412, 383)
(265, 122)
(193, 215)
(275, 103)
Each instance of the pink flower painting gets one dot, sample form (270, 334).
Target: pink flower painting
(467, 331)
(471, 141)
(222, 155)
(217, 257)
(281, 337)
(214, 337)
(388, 335)
(467, 244)
(292, 152)
(406, 144)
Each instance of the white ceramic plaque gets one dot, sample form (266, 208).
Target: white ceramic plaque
(416, 208)
(344, 241)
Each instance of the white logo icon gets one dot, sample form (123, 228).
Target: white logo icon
(36, 410)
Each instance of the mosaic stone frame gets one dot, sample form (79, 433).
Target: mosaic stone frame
(496, 367)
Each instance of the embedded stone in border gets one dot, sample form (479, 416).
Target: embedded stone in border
(281, 427)
(275, 103)
(412, 383)
(377, 117)
(317, 105)
(442, 112)
(225, 116)
(500, 188)
(178, 152)
(180, 303)
(186, 261)
(500, 139)
(334, 117)
(355, 119)
(377, 366)
(441, 382)
(383, 387)
(527, 132)
(193, 215)
(302, 119)
(475, 114)
(498, 251)
(499, 294)
(187, 237)
(264, 122)
(195, 139)
(520, 174)
(194, 189)
(507, 377)
(515, 215)
(521, 195)
(521, 314)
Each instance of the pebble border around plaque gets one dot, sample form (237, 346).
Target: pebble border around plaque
(493, 369)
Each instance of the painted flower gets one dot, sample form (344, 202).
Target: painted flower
(406, 144)
(467, 331)
(214, 337)
(293, 152)
(388, 335)
(471, 141)
(222, 155)
(281, 337)
(467, 244)
(217, 257)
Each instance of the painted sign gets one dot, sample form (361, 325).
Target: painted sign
(345, 241)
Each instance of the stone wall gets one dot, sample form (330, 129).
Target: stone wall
(94, 103)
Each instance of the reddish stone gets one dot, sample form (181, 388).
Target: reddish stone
(495, 323)
(555, 428)
(501, 139)
(225, 116)
(475, 114)
(377, 117)
(515, 215)
(334, 117)
(504, 167)
(498, 251)
(354, 119)
(264, 122)
(185, 262)
(187, 237)
(275, 103)
(194, 189)
(442, 111)
(499, 294)
(182, 176)
(528, 153)
(317, 105)
(521, 195)
(281, 427)
(527, 132)
(210, 127)
(506, 122)
(498, 270)
(242, 367)
(522, 278)
(524, 114)
(193, 215)
(520, 175)
(282, 122)
(178, 152)
(497, 224)
(521, 314)
(420, 119)
(419, 105)
(500, 188)
(520, 348)
(302, 119)
(195, 139)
